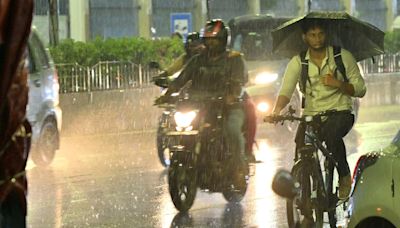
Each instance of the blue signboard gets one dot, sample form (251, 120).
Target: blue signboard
(181, 23)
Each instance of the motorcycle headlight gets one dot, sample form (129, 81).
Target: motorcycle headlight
(265, 78)
(184, 119)
(263, 107)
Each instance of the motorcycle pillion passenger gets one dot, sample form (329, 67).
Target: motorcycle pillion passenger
(214, 71)
(193, 46)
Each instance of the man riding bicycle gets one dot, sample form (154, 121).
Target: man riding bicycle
(324, 88)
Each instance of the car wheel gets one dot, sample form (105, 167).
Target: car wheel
(47, 144)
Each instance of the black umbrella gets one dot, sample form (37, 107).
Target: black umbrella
(362, 39)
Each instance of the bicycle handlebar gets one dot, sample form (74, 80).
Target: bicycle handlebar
(290, 117)
(281, 118)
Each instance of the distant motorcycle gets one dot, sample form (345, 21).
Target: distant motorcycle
(162, 140)
(199, 155)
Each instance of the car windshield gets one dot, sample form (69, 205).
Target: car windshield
(253, 38)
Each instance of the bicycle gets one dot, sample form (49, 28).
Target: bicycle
(315, 181)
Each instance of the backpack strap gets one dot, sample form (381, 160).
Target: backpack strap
(339, 62)
(304, 76)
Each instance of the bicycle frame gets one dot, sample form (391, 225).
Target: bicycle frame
(314, 162)
(307, 171)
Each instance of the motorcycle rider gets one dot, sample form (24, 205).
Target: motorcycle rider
(217, 70)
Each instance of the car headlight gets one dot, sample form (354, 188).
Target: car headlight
(265, 78)
(184, 120)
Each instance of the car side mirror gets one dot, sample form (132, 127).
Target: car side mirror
(284, 185)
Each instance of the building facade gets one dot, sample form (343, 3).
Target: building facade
(87, 19)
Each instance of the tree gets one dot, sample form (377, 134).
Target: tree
(392, 42)
(53, 22)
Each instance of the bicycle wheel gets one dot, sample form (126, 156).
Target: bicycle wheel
(304, 208)
(331, 194)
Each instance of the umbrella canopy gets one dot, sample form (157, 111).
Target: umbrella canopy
(362, 39)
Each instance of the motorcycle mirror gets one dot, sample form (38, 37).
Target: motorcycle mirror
(154, 65)
(283, 184)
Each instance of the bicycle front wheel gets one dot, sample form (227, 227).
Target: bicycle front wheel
(304, 208)
(331, 193)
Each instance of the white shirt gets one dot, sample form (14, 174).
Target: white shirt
(318, 96)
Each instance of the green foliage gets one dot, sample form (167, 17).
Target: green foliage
(137, 50)
(392, 42)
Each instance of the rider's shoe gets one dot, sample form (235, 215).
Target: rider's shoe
(344, 187)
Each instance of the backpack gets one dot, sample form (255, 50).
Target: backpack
(304, 70)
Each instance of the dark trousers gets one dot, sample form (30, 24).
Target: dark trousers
(12, 215)
(332, 132)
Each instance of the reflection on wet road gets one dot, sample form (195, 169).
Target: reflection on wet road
(117, 181)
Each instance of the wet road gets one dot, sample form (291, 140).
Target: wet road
(116, 181)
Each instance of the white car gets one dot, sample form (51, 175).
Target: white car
(375, 198)
(43, 110)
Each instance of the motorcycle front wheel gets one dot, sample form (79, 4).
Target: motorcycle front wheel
(182, 187)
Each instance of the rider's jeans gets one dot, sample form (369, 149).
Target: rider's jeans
(332, 132)
(233, 132)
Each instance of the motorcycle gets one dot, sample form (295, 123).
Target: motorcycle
(162, 140)
(199, 154)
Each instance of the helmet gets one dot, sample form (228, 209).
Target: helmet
(194, 44)
(192, 38)
(216, 29)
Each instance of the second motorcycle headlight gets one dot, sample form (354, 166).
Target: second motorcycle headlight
(184, 119)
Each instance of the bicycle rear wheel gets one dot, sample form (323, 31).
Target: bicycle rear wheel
(304, 209)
